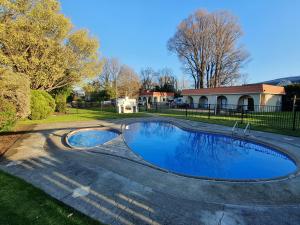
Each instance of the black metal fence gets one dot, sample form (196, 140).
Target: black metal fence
(274, 117)
(257, 115)
(108, 107)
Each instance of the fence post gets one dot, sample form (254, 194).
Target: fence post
(294, 112)
(186, 111)
(156, 106)
(208, 111)
(242, 116)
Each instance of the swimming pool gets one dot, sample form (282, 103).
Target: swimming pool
(208, 155)
(87, 138)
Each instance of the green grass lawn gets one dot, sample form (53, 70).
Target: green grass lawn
(22, 203)
(81, 115)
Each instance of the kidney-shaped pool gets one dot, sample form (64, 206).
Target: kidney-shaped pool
(208, 155)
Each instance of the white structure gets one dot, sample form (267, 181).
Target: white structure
(252, 97)
(126, 105)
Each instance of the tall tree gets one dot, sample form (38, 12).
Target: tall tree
(148, 77)
(183, 82)
(37, 41)
(227, 57)
(116, 80)
(166, 80)
(128, 82)
(109, 75)
(207, 45)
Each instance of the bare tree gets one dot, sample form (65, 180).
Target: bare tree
(128, 82)
(183, 82)
(207, 45)
(110, 72)
(109, 75)
(227, 57)
(166, 80)
(148, 76)
(116, 80)
(244, 79)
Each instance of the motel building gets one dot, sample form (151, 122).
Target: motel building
(251, 97)
(155, 97)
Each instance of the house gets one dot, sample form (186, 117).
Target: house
(252, 97)
(155, 97)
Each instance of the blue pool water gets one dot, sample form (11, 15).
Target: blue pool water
(91, 138)
(203, 154)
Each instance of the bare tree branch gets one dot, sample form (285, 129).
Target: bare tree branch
(207, 45)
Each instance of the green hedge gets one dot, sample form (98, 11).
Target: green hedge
(42, 105)
(14, 87)
(61, 102)
(8, 114)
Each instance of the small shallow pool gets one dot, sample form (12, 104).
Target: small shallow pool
(90, 138)
(201, 154)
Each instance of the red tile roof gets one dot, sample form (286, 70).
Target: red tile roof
(245, 89)
(157, 93)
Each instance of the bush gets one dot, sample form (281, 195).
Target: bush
(50, 99)
(14, 87)
(42, 105)
(8, 115)
(61, 104)
(60, 95)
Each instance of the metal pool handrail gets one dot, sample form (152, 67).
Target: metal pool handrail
(247, 128)
(234, 126)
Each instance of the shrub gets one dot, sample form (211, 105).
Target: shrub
(42, 105)
(14, 87)
(60, 95)
(61, 104)
(49, 99)
(8, 115)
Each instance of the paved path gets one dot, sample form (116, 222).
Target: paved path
(113, 185)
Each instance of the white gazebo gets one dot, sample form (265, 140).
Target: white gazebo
(126, 105)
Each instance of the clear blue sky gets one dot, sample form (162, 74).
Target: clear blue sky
(136, 31)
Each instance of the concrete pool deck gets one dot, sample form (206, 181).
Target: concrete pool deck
(112, 184)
